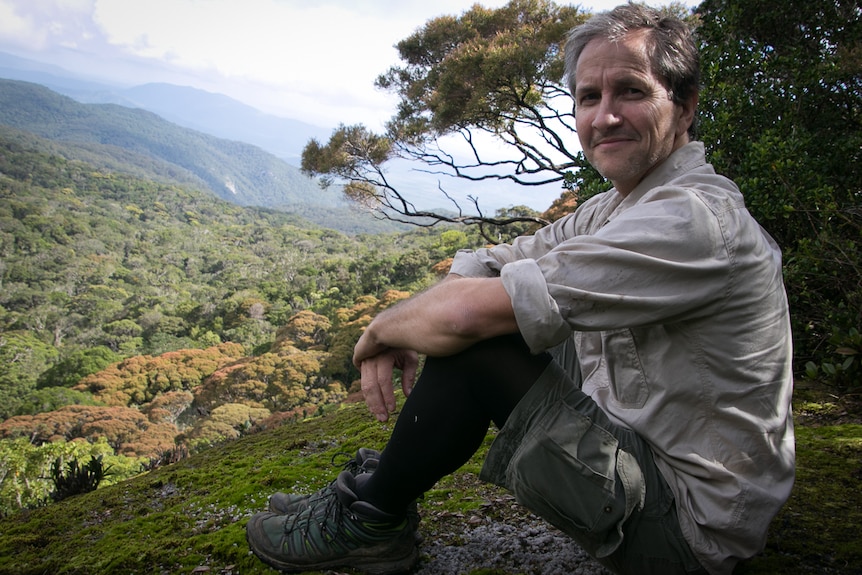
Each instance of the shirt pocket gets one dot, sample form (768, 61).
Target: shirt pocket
(625, 372)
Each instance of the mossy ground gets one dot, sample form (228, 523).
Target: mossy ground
(191, 515)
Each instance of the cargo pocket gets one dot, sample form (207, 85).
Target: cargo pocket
(570, 472)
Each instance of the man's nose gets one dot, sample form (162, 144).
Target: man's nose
(607, 114)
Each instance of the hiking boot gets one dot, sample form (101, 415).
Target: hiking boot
(335, 529)
(365, 461)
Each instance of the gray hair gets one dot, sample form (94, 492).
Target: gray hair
(670, 46)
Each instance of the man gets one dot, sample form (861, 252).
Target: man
(669, 447)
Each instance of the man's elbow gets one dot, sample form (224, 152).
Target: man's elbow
(476, 309)
(462, 324)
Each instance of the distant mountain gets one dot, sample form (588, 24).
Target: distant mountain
(16, 68)
(235, 171)
(225, 117)
(59, 80)
(207, 112)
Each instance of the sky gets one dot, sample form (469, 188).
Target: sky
(310, 60)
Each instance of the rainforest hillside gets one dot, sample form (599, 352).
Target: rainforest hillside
(141, 315)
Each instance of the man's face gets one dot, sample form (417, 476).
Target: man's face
(626, 121)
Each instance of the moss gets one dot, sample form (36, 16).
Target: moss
(193, 513)
(817, 531)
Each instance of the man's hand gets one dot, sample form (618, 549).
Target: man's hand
(441, 321)
(377, 379)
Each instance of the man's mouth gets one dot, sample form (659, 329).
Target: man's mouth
(612, 141)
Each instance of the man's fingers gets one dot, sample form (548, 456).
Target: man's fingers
(371, 391)
(384, 382)
(376, 374)
(376, 378)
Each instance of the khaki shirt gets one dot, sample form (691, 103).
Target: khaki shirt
(680, 319)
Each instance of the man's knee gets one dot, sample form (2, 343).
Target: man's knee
(507, 354)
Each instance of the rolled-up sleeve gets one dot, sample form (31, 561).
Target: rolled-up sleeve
(470, 264)
(537, 313)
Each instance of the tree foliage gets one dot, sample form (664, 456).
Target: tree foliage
(227, 421)
(306, 330)
(140, 379)
(51, 398)
(485, 75)
(25, 469)
(168, 407)
(76, 365)
(128, 431)
(133, 311)
(782, 116)
(23, 357)
(498, 71)
(96, 267)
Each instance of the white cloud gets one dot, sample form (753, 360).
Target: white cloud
(321, 58)
(18, 29)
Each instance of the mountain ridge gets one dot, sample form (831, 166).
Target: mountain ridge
(225, 117)
(238, 172)
(209, 112)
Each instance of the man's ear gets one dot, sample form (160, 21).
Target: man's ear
(687, 110)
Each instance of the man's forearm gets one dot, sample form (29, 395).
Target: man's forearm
(443, 320)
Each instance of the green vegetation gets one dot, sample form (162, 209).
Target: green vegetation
(26, 469)
(76, 478)
(118, 293)
(94, 259)
(781, 115)
(234, 171)
(114, 139)
(192, 513)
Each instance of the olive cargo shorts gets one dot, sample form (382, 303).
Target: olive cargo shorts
(596, 481)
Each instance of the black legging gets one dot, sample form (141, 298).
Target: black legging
(446, 417)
